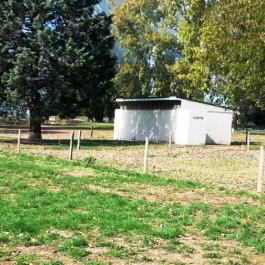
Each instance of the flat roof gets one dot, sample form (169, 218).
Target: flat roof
(161, 98)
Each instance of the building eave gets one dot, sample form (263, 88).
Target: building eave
(120, 100)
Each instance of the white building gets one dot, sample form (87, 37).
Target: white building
(190, 122)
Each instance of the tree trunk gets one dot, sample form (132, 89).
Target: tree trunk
(89, 118)
(35, 124)
(234, 121)
(99, 119)
(111, 116)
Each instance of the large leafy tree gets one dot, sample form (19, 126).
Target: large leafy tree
(196, 79)
(53, 52)
(162, 40)
(250, 114)
(145, 29)
(223, 54)
(233, 47)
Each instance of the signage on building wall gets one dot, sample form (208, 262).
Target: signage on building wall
(197, 118)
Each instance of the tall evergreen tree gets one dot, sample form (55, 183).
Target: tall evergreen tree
(51, 50)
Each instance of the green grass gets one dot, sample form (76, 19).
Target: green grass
(9, 137)
(38, 196)
(212, 256)
(212, 246)
(25, 259)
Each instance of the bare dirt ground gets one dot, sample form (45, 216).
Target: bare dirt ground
(49, 132)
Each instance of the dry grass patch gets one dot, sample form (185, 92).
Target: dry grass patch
(199, 252)
(212, 165)
(42, 254)
(79, 172)
(229, 165)
(54, 189)
(167, 195)
(64, 233)
(171, 195)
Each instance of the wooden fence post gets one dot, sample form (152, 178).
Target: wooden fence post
(146, 154)
(92, 132)
(248, 141)
(71, 147)
(79, 140)
(170, 138)
(260, 175)
(246, 136)
(18, 140)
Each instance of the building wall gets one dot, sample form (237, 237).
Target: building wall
(180, 134)
(186, 104)
(218, 127)
(138, 124)
(188, 126)
(191, 127)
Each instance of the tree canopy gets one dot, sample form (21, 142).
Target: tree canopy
(56, 55)
(143, 29)
(233, 48)
(221, 43)
(223, 54)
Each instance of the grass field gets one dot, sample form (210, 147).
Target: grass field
(197, 205)
(59, 212)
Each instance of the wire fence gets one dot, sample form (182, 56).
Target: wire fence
(253, 138)
(103, 136)
(62, 138)
(91, 137)
(176, 162)
(58, 142)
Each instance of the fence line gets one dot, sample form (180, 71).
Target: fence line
(71, 147)
(79, 140)
(19, 137)
(261, 170)
(146, 154)
(18, 140)
(90, 138)
(57, 138)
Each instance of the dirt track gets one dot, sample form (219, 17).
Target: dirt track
(56, 132)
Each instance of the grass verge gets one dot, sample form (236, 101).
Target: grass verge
(43, 206)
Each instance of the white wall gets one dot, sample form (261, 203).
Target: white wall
(188, 126)
(187, 104)
(197, 127)
(138, 124)
(191, 127)
(181, 130)
(218, 128)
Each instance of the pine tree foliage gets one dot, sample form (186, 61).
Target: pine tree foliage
(51, 50)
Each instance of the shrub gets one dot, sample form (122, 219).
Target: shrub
(90, 159)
